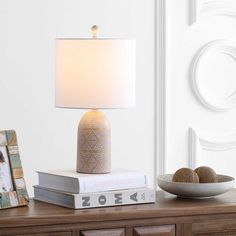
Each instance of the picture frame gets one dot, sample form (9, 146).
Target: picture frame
(13, 192)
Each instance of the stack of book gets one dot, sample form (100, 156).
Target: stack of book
(76, 190)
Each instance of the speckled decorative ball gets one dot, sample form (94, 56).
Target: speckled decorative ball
(185, 175)
(206, 174)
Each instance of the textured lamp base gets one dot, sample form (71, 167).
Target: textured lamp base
(94, 144)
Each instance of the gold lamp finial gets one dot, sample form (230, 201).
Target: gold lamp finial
(94, 31)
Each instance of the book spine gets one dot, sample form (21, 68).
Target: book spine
(94, 200)
(115, 198)
(112, 182)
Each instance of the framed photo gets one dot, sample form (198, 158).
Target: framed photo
(13, 191)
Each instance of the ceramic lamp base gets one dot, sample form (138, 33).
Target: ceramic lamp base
(94, 144)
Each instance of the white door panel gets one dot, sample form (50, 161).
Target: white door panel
(198, 84)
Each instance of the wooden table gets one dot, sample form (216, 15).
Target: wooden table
(167, 217)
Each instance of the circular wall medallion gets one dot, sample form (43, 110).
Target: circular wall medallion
(213, 75)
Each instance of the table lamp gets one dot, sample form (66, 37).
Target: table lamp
(95, 73)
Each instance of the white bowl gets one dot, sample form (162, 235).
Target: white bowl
(196, 190)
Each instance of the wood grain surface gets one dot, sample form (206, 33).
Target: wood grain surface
(166, 206)
(181, 217)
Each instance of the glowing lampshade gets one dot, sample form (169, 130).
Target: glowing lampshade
(95, 73)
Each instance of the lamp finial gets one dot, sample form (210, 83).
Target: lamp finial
(94, 31)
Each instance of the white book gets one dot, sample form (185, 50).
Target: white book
(92, 200)
(73, 182)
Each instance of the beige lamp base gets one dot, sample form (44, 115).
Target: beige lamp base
(94, 144)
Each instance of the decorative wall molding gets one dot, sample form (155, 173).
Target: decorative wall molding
(208, 8)
(160, 114)
(225, 47)
(197, 143)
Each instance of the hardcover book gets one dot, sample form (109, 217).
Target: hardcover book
(73, 182)
(92, 200)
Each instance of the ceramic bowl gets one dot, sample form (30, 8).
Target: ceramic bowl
(196, 190)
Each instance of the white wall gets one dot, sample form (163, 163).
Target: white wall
(47, 136)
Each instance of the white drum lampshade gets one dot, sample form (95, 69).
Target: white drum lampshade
(95, 74)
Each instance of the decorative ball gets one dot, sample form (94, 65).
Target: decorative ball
(186, 175)
(206, 174)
